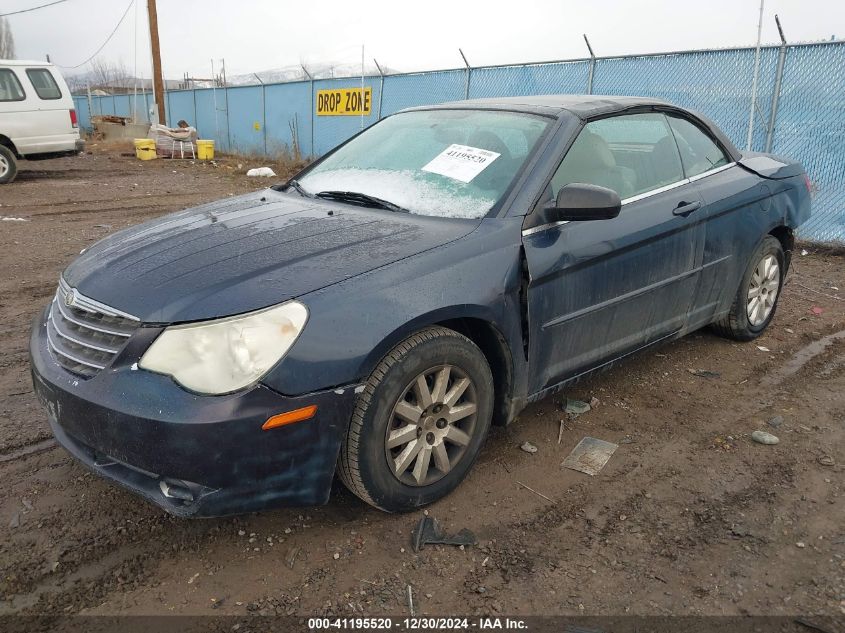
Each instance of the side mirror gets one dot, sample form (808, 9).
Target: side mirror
(580, 201)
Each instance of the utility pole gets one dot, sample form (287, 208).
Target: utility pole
(158, 83)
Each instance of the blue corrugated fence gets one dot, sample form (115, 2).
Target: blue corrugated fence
(809, 126)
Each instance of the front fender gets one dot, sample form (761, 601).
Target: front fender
(440, 315)
(353, 324)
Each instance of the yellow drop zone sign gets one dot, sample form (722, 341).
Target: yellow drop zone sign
(344, 101)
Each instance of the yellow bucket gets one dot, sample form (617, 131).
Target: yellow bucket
(145, 148)
(205, 149)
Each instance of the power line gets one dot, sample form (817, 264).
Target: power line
(108, 39)
(42, 6)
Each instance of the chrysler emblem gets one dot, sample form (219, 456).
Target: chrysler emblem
(70, 297)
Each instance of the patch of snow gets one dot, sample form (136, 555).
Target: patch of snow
(411, 190)
(260, 172)
(9, 219)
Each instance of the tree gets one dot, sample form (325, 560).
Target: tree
(103, 75)
(7, 40)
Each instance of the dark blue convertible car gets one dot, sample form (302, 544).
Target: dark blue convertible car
(426, 279)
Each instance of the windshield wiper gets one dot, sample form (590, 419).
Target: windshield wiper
(293, 182)
(362, 199)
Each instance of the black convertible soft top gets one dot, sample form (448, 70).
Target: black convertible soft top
(582, 106)
(586, 107)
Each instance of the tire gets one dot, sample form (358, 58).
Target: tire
(8, 165)
(747, 321)
(369, 464)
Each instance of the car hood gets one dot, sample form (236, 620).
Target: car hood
(246, 253)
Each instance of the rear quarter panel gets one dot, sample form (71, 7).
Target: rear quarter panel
(742, 208)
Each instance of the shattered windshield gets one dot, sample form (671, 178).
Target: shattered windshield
(445, 163)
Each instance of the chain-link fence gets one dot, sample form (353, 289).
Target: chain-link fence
(799, 110)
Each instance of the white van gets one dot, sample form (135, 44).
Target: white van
(37, 117)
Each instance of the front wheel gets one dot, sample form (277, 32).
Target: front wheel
(756, 300)
(420, 422)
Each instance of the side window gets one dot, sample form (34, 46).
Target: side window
(631, 154)
(10, 87)
(699, 152)
(44, 84)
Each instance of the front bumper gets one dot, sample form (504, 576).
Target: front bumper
(189, 454)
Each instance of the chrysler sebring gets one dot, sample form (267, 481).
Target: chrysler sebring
(374, 315)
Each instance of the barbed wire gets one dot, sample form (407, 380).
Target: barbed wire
(108, 39)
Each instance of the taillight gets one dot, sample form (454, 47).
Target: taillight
(73, 121)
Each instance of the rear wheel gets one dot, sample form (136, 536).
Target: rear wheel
(756, 300)
(419, 423)
(8, 165)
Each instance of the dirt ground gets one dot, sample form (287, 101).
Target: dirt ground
(688, 517)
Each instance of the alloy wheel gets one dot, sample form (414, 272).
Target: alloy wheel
(4, 166)
(431, 425)
(763, 290)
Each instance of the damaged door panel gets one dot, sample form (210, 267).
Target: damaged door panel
(600, 289)
(603, 288)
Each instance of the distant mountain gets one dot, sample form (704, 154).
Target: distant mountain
(296, 73)
(121, 83)
(79, 84)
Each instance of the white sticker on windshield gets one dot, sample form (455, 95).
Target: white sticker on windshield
(461, 162)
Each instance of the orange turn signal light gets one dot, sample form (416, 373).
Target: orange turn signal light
(297, 415)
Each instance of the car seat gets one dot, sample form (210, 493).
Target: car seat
(590, 161)
(666, 162)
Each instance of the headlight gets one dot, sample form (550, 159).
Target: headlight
(225, 355)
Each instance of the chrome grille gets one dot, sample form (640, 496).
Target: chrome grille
(85, 335)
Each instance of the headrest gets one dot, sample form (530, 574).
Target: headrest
(484, 139)
(591, 150)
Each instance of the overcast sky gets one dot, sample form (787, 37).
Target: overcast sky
(255, 35)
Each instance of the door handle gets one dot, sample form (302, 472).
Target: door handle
(685, 208)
